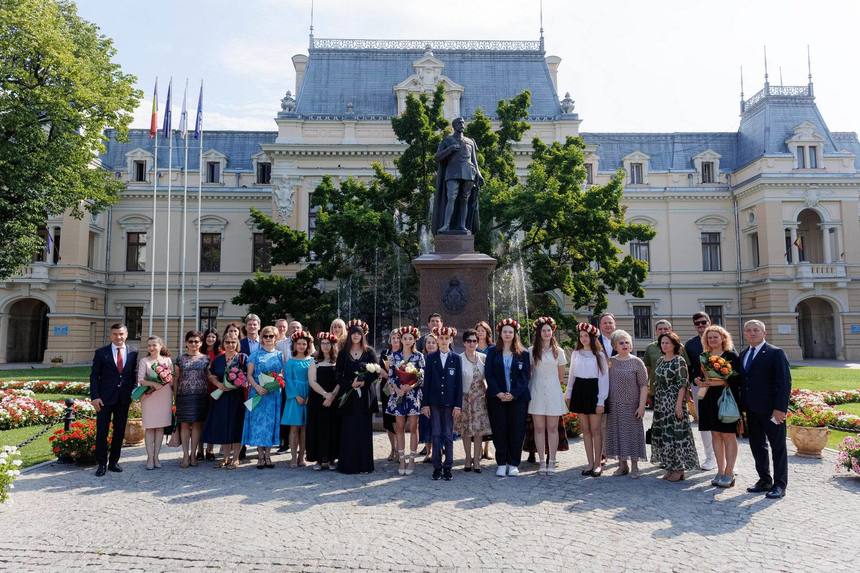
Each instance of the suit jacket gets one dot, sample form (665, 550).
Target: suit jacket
(443, 383)
(494, 372)
(245, 345)
(693, 348)
(607, 347)
(106, 383)
(767, 381)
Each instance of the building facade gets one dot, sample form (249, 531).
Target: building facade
(756, 223)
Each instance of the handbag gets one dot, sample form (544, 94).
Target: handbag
(648, 437)
(728, 411)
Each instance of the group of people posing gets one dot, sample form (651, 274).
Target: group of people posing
(281, 386)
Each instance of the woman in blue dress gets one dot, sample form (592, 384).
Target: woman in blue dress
(263, 424)
(404, 402)
(226, 418)
(300, 369)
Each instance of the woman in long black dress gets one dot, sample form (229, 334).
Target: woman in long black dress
(227, 414)
(356, 424)
(322, 427)
(716, 341)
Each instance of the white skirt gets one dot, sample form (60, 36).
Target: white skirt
(547, 398)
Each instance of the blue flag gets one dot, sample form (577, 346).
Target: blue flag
(168, 124)
(198, 123)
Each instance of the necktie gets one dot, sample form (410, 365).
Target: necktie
(119, 360)
(750, 356)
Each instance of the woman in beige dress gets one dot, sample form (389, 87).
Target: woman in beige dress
(156, 404)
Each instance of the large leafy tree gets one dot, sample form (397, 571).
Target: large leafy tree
(59, 91)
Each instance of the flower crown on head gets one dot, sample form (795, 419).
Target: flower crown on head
(589, 328)
(302, 334)
(408, 330)
(540, 322)
(327, 336)
(445, 331)
(358, 323)
(508, 322)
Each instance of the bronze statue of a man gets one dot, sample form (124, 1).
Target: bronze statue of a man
(458, 179)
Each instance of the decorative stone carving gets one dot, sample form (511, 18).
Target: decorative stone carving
(455, 298)
(284, 193)
(567, 104)
(811, 196)
(288, 102)
(428, 74)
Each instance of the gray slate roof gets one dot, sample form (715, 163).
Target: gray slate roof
(335, 77)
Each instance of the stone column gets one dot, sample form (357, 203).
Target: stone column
(825, 234)
(795, 252)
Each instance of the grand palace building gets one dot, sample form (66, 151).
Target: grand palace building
(761, 222)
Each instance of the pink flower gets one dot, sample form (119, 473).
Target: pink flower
(231, 376)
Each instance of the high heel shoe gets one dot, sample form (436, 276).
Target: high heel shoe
(410, 468)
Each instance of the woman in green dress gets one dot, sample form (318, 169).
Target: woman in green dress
(672, 445)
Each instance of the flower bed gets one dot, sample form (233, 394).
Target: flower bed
(849, 455)
(47, 387)
(17, 411)
(78, 444)
(10, 468)
(822, 403)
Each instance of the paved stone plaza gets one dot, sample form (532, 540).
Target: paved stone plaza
(64, 518)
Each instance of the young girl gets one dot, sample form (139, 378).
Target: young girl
(587, 390)
(389, 421)
(404, 401)
(155, 406)
(547, 403)
(300, 371)
(322, 426)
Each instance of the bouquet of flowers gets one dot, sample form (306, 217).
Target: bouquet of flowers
(367, 374)
(157, 373)
(271, 382)
(408, 375)
(714, 367)
(234, 378)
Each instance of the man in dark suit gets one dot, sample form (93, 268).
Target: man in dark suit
(767, 386)
(606, 324)
(112, 378)
(694, 349)
(433, 321)
(442, 399)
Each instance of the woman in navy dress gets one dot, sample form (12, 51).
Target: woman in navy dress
(356, 423)
(262, 426)
(322, 428)
(404, 401)
(227, 414)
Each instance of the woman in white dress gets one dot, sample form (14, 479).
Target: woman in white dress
(547, 403)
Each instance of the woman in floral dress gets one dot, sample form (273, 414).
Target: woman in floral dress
(404, 401)
(262, 426)
(672, 445)
(474, 421)
(192, 395)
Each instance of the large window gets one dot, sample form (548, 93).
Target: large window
(264, 173)
(92, 244)
(636, 174)
(134, 322)
(711, 252)
(208, 318)
(707, 172)
(210, 252)
(716, 314)
(642, 322)
(56, 253)
(641, 250)
(813, 156)
(262, 255)
(754, 253)
(213, 172)
(135, 252)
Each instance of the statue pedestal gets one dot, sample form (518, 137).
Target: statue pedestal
(454, 281)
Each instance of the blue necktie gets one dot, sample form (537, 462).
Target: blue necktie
(750, 358)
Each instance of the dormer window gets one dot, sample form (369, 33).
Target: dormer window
(636, 166)
(213, 172)
(215, 163)
(140, 171)
(636, 174)
(707, 164)
(813, 156)
(806, 145)
(707, 172)
(138, 162)
(264, 173)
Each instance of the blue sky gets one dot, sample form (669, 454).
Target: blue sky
(630, 65)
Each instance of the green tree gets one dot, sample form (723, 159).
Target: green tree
(60, 91)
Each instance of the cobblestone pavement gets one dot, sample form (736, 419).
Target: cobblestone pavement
(64, 518)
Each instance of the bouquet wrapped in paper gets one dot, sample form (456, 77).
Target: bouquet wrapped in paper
(409, 376)
(157, 373)
(271, 382)
(234, 378)
(367, 374)
(714, 367)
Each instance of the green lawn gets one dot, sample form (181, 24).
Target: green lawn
(37, 451)
(58, 374)
(817, 378)
(58, 397)
(851, 408)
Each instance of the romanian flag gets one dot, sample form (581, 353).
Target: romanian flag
(153, 122)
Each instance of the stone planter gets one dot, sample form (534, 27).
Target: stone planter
(808, 441)
(134, 432)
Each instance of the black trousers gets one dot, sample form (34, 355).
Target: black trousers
(761, 433)
(117, 412)
(508, 422)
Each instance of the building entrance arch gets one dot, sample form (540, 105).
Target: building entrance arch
(816, 326)
(27, 331)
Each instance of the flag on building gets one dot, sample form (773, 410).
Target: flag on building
(183, 118)
(153, 122)
(198, 122)
(49, 244)
(168, 124)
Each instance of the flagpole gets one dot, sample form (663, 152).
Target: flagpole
(198, 130)
(169, 132)
(153, 123)
(183, 128)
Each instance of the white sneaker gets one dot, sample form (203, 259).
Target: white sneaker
(502, 471)
(709, 465)
(513, 471)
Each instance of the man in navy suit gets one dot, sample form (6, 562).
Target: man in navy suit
(442, 399)
(112, 378)
(767, 386)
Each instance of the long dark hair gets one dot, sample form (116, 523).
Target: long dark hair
(595, 348)
(516, 343)
(537, 347)
(204, 348)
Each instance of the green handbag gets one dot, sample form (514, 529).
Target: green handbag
(728, 411)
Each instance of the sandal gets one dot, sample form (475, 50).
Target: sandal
(621, 471)
(401, 461)
(477, 467)
(316, 467)
(269, 464)
(634, 473)
(410, 468)
(550, 467)
(222, 464)
(542, 468)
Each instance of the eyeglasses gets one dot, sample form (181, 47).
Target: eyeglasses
(701, 323)
(268, 336)
(471, 341)
(193, 342)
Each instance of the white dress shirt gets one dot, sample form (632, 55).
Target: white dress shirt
(119, 350)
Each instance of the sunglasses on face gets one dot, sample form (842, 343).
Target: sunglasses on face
(193, 342)
(472, 341)
(268, 336)
(701, 323)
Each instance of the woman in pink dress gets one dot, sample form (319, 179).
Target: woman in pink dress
(156, 404)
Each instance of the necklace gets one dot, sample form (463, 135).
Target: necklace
(355, 354)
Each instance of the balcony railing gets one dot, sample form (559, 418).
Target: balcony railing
(784, 91)
(813, 271)
(37, 272)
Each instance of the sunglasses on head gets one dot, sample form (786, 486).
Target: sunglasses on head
(701, 322)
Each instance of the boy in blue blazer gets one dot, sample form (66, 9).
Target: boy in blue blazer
(443, 398)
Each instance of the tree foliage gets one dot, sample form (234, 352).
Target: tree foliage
(59, 91)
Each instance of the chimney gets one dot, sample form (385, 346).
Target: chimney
(300, 62)
(552, 63)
